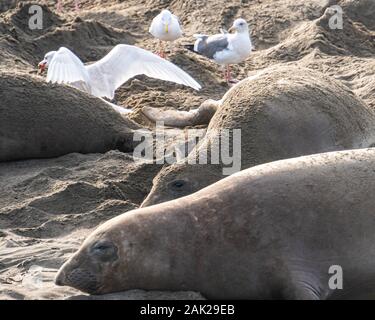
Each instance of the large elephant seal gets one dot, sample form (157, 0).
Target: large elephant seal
(271, 231)
(38, 120)
(283, 112)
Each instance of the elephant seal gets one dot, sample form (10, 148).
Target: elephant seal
(282, 112)
(271, 231)
(39, 120)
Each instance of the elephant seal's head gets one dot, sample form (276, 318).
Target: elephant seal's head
(93, 268)
(181, 179)
(120, 255)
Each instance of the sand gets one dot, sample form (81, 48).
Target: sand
(47, 207)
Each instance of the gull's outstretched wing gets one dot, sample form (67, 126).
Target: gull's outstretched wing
(125, 62)
(66, 67)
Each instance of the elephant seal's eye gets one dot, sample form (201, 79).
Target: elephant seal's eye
(102, 247)
(104, 250)
(178, 184)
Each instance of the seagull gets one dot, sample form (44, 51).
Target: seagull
(165, 27)
(60, 7)
(226, 48)
(103, 77)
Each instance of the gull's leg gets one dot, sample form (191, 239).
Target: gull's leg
(157, 48)
(162, 52)
(227, 74)
(59, 6)
(171, 47)
(164, 55)
(160, 48)
(225, 70)
(230, 79)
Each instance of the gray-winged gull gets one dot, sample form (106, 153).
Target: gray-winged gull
(225, 48)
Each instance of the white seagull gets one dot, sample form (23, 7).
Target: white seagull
(225, 48)
(103, 77)
(165, 27)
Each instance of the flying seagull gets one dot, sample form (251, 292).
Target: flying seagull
(103, 77)
(165, 27)
(225, 48)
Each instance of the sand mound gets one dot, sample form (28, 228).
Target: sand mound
(362, 11)
(317, 35)
(70, 192)
(19, 19)
(90, 40)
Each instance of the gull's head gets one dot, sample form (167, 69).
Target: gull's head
(166, 19)
(240, 26)
(43, 65)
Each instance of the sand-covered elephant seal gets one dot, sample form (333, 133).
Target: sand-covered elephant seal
(283, 112)
(271, 231)
(39, 120)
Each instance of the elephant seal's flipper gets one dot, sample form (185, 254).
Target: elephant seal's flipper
(119, 109)
(175, 118)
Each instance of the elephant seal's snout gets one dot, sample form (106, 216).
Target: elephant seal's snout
(60, 278)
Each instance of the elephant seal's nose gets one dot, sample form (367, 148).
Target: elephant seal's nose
(60, 278)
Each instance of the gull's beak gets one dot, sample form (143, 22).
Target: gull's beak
(42, 66)
(166, 28)
(232, 30)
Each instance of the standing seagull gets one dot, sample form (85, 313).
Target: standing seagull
(225, 48)
(103, 77)
(165, 27)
